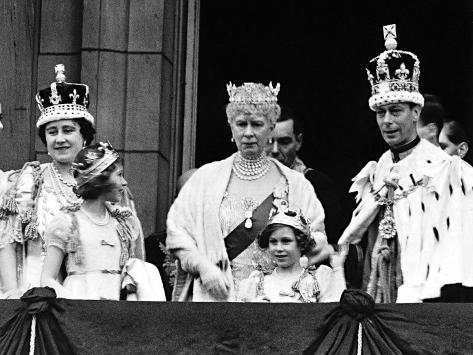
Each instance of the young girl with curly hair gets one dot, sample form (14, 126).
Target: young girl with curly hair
(96, 240)
(287, 237)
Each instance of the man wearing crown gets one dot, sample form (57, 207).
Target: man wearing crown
(415, 203)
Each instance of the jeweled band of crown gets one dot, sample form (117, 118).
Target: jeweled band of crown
(63, 100)
(253, 93)
(98, 164)
(394, 74)
(293, 218)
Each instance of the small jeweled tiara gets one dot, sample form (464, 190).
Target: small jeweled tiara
(98, 164)
(293, 218)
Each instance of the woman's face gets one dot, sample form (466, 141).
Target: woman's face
(117, 184)
(63, 140)
(251, 133)
(283, 247)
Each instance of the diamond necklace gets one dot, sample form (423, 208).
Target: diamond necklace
(251, 169)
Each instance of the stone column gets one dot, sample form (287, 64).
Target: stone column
(128, 61)
(19, 21)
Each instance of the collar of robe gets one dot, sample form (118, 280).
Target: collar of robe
(397, 151)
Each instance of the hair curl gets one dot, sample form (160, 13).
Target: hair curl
(99, 184)
(304, 242)
(271, 111)
(85, 128)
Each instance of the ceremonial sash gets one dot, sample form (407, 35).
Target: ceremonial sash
(241, 237)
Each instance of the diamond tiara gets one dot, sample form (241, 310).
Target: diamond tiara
(253, 93)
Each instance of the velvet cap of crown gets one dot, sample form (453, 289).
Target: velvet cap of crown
(394, 74)
(253, 93)
(292, 218)
(62, 100)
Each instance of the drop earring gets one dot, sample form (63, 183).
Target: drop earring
(232, 140)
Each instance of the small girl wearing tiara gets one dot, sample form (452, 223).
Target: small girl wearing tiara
(287, 237)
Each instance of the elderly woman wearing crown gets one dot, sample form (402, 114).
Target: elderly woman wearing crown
(415, 202)
(40, 191)
(213, 223)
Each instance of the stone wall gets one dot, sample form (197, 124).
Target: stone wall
(126, 52)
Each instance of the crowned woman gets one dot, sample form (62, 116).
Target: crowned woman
(39, 191)
(213, 223)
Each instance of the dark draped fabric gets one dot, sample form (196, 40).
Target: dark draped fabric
(111, 327)
(380, 329)
(15, 333)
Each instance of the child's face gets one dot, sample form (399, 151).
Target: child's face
(283, 247)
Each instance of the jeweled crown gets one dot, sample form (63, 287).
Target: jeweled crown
(253, 93)
(292, 218)
(394, 74)
(63, 100)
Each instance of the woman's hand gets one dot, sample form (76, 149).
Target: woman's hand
(214, 280)
(337, 258)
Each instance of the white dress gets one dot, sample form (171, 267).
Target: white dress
(34, 198)
(95, 254)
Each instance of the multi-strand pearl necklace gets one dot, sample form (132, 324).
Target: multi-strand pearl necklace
(61, 179)
(57, 182)
(251, 169)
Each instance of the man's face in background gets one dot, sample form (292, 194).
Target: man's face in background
(285, 144)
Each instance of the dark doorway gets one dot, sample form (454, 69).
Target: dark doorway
(318, 50)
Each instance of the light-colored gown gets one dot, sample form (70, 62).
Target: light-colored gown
(35, 197)
(95, 253)
(322, 284)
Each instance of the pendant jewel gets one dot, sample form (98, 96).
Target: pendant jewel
(387, 226)
(248, 222)
(249, 204)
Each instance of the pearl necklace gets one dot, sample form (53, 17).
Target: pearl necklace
(61, 179)
(58, 188)
(103, 222)
(251, 169)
